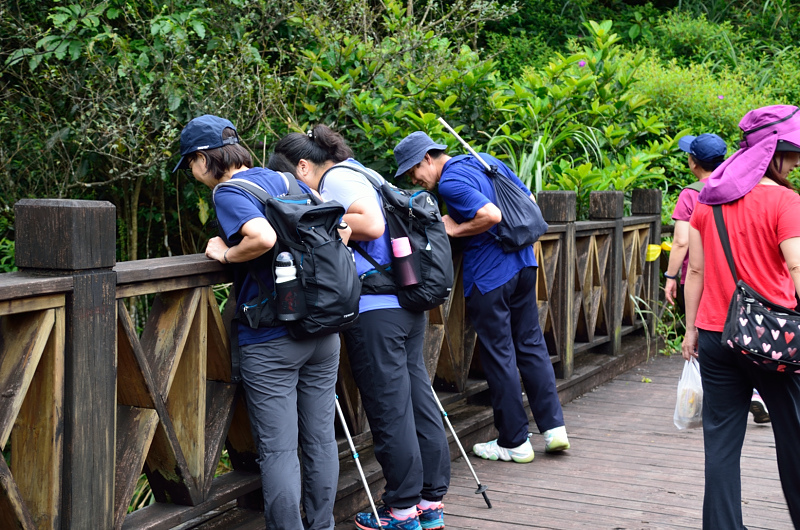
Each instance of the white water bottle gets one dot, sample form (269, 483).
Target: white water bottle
(291, 301)
(284, 268)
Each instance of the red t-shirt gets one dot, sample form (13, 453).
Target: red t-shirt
(683, 212)
(757, 224)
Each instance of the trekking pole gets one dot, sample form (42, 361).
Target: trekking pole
(481, 487)
(465, 144)
(358, 463)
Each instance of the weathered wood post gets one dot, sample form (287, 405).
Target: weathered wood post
(608, 206)
(559, 208)
(648, 202)
(77, 239)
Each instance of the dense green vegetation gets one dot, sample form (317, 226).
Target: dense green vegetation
(95, 93)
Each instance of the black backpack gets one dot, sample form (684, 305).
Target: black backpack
(306, 227)
(522, 224)
(413, 214)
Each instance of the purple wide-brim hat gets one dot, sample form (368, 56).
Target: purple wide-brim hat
(761, 128)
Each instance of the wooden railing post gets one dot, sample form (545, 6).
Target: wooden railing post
(77, 238)
(608, 206)
(648, 202)
(559, 207)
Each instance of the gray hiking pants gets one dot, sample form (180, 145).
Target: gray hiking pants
(290, 387)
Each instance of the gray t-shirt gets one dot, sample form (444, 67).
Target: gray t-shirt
(346, 186)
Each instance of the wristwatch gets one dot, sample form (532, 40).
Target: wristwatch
(667, 275)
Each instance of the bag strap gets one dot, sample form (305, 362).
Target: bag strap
(364, 254)
(236, 356)
(696, 186)
(371, 178)
(292, 187)
(723, 237)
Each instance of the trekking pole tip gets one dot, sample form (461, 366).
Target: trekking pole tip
(482, 490)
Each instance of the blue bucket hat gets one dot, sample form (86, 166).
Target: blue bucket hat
(204, 132)
(704, 147)
(412, 149)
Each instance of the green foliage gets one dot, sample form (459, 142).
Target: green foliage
(699, 99)
(670, 329)
(692, 40)
(7, 256)
(516, 51)
(96, 92)
(583, 128)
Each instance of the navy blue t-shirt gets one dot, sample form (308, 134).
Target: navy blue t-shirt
(466, 188)
(234, 208)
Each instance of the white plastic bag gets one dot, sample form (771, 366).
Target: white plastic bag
(689, 405)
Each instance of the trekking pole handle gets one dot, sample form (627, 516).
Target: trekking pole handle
(465, 144)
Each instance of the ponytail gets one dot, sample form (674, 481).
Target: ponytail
(319, 145)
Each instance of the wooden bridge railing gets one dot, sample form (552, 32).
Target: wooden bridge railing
(92, 396)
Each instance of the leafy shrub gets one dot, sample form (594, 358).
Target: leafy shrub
(691, 39)
(581, 127)
(516, 51)
(699, 99)
(7, 256)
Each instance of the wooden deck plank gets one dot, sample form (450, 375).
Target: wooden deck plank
(629, 467)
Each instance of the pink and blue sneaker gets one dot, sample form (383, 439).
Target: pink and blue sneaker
(366, 521)
(432, 518)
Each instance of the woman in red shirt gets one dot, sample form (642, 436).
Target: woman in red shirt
(762, 215)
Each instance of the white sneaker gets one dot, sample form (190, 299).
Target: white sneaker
(491, 451)
(556, 440)
(759, 409)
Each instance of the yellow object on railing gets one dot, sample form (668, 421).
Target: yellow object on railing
(666, 245)
(653, 251)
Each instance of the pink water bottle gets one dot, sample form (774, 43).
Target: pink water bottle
(404, 262)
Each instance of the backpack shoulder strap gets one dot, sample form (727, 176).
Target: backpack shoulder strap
(292, 187)
(723, 237)
(364, 254)
(696, 186)
(358, 169)
(253, 189)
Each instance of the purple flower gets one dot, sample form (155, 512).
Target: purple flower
(582, 64)
(721, 97)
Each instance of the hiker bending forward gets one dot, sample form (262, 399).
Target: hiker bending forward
(384, 346)
(500, 289)
(289, 384)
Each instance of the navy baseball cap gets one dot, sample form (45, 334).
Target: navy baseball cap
(704, 147)
(411, 150)
(204, 132)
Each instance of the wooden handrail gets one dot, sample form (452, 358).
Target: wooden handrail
(168, 376)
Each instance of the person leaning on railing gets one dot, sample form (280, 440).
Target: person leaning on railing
(385, 346)
(500, 291)
(762, 214)
(289, 384)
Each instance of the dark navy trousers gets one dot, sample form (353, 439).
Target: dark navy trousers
(507, 322)
(385, 352)
(728, 381)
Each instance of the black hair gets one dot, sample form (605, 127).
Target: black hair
(319, 145)
(774, 175)
(435, 154)
(279, 162)
(221, 159)
(708, 165)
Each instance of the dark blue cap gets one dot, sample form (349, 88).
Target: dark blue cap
(411, 150)
(203, 133)
(704, 147)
